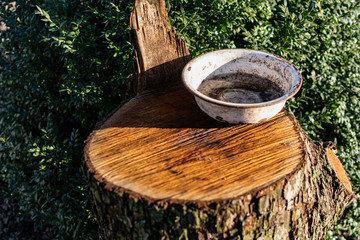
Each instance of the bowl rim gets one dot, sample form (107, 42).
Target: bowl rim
(285, 97)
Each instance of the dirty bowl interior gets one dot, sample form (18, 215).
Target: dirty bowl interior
(241, 85)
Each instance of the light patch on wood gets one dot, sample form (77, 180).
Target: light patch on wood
(292, 188)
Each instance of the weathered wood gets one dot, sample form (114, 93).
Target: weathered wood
(160, 168)
(160, 54)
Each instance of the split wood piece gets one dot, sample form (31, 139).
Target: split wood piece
(159, 53)
(159, 168)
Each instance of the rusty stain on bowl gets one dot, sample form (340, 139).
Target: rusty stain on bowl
(241, 85)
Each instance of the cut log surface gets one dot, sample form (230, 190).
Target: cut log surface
(164, 147)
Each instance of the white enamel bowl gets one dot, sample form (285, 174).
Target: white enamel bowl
(243, 61)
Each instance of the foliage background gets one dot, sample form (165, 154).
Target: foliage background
(63, 67)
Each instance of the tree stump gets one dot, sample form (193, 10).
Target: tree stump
(160, 168)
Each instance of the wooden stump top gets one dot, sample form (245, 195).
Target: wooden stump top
(162, 146)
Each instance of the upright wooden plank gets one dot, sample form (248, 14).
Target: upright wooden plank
(159, 53)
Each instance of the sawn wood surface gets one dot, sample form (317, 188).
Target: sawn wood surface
(162, 146)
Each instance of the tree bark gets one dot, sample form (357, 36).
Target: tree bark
(159, 168)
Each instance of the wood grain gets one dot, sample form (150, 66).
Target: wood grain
(163, 147)
(159, 53)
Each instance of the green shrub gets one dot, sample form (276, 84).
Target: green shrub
(63, 67)
(64, 64)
